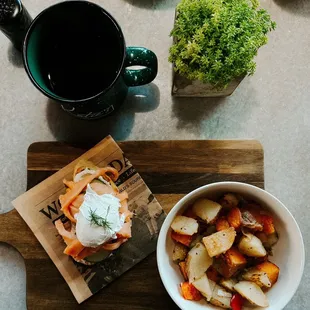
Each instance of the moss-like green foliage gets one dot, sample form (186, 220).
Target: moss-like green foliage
(216, 41)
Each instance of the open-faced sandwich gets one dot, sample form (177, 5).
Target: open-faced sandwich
(98, 217)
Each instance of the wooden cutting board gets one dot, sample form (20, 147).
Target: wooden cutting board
(171, 169)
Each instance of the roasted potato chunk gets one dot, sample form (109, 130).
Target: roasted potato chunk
(219, 242)
(252, 292)
(197, 262)
(228, 284)
(257, 276)
(204, 287)
(184, 225)
(220, 297)
(206, 209)
(250, 245)
(179, 252)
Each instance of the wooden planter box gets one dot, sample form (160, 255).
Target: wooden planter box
(183, 87)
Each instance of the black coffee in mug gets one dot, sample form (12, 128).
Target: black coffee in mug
(79, 64)
(75, 53)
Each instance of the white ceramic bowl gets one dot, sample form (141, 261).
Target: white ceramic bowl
(289, 253)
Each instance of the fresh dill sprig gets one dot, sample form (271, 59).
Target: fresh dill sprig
(98, 220)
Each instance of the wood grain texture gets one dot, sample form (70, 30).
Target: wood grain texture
(171, 169)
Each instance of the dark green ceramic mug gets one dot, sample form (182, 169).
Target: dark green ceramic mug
(75, 53)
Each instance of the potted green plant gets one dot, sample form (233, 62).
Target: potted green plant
(214, 45)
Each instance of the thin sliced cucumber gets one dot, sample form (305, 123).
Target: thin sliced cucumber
(98, 257)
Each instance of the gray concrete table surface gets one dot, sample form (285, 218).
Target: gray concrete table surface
(272, 106)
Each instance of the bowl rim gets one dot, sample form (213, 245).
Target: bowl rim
(161, 244)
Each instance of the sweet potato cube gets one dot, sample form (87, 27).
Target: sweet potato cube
(189, 291)
(213, 274)
(268, 227)
(271, 269)
(221, 224)
(234, 218)
(233, 261)
(182, 266)
(184, 239)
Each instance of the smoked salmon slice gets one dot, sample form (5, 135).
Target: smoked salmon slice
(74, 248)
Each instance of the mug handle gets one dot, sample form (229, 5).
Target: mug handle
(140, 56)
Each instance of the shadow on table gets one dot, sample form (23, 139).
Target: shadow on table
(154, 4)
(15, 56)
(301, 7)
(119, 125)
(190, 112)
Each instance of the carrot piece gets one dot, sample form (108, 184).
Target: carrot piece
(268, 227)
(184, 239)
(213, 274)
(271, 269)
(74, 248)
(182, 266)
(234, 218)
(221, 224)
(189, 291)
